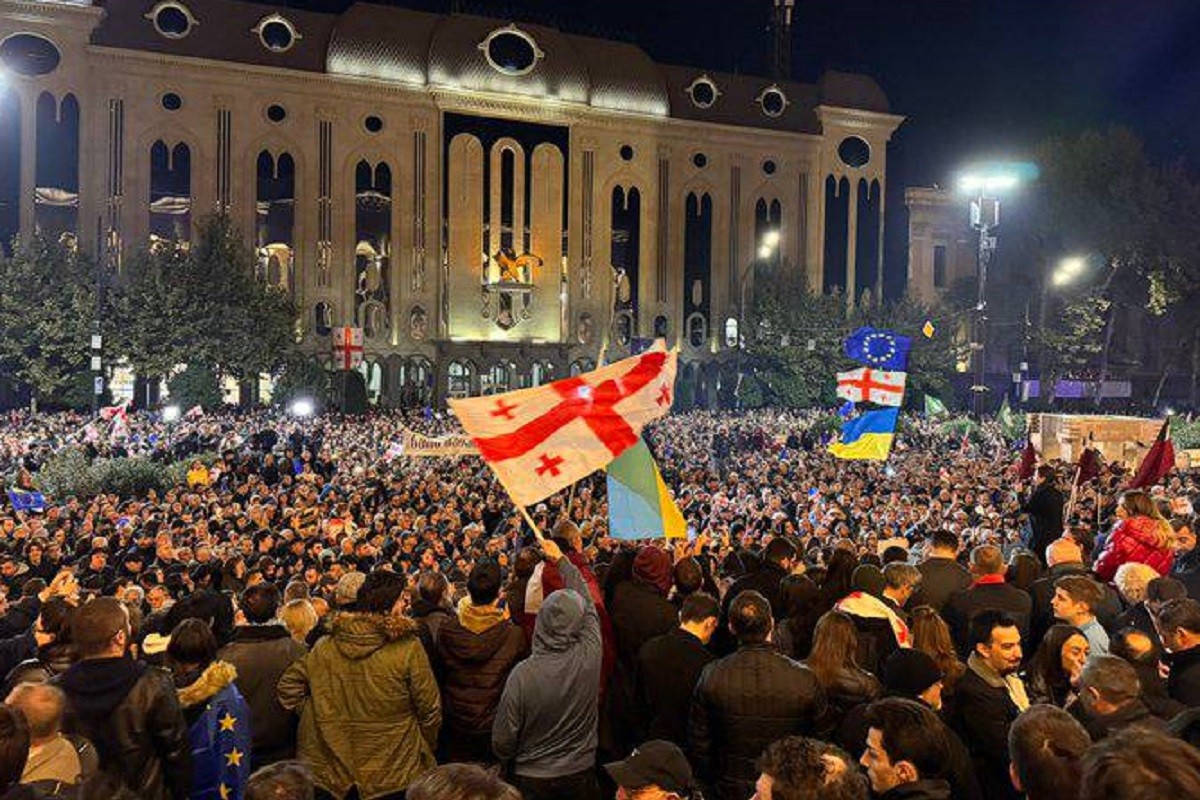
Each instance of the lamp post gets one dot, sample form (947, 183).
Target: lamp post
(766, 249)
(985, 217)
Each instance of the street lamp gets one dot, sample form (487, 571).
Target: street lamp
(303, 407)
(170, 413)
(984, 183)
(1068, 270)
(767, 247)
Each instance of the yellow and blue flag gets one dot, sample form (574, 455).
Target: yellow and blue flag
(639, 505)
(867, 437)
(879, 349)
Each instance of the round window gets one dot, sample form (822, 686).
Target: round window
(703, 92)
(854, 152)
(373, 124)
(276, 113)
(769, 167)
(277, 33)
(626, 153)
(172, 20)
(172, 101)
(27, 54)
(773, 101)
(511, 51)
(700, 160)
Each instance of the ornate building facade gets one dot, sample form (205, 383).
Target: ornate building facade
(493, 203)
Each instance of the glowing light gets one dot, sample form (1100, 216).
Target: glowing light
(170, 413)
(771, 239)
(302, 407)
(764, 251)
(1072, 266)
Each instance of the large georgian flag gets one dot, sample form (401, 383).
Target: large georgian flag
(543, 439)
(867, 385)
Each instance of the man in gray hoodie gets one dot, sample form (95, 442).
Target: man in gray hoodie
(546, 723)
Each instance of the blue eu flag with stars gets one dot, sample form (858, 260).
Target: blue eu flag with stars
(879, 349)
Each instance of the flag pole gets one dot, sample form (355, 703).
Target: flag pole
(537, 532)
(1071, 502)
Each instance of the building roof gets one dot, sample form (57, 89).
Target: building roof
(444, 51)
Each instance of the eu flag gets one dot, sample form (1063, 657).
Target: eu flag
(880, 349)
(26, 501)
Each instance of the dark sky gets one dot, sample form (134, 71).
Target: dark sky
(976, 79)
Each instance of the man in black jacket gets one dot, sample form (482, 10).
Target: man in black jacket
(477, 649)
(1045, 510)
(1110, 699)
(747, 700)
(262, 649)
(669, 667)
(779, 556)
(128, 710)
(941, 574)
(1178, 623)
(906, 751)
(989, 592)
(988, 697)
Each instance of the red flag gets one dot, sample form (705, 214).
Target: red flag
(108, 413)
(1028, 462)
(1089, 466)
(1158, 461)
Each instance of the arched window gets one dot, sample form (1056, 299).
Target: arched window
(275, 214)
(458, 378)
(56, 196)
(10, 167)
(323, 319)
(697, 330)
(731, 332)
(373, 234)
(170, 192)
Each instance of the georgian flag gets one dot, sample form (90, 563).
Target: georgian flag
(543, 439)
(866, 385)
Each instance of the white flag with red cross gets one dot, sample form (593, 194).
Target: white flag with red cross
(543, 439)
(347, 347)
(866, 385)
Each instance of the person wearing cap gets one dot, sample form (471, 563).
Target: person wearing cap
(658, 770)
(477, 648)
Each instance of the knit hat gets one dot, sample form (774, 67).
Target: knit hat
(346, 592)
(908, 672)
(653, 568)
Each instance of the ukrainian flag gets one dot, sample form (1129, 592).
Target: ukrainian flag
(867, 437)
(639, 505)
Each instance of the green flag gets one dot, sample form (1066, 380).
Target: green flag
(934, 407)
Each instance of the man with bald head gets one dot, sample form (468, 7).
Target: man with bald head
(53, 759)
(988, 592)
(1065, 557)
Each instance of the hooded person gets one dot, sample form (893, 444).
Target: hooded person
(368, 702)
(476, 650)
(546, 723)
(640, 612)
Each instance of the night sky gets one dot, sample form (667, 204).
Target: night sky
(976, 79)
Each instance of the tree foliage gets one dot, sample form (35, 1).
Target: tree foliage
(47, 308)
(301, 377)
(195, 386)
(795, 342)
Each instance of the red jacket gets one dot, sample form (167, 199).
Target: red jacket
(1136, 540)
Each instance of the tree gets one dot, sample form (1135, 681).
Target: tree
(195, 386)
(795, 344)
(301, 377)
(160, 321)
(47, 308)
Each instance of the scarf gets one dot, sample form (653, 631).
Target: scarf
(868, 606)
(1010, 683)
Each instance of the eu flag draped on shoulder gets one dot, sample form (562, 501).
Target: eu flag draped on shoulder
(867, 437)
(543, 439)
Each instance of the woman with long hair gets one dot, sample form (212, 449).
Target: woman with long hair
(1055, 668)
(931, 635)
(1142, 535)
(834, 662)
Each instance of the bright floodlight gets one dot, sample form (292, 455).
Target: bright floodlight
(302, 407)
(170, 413)
(771, 238)
(764, 251)
(1060, 278)
(1073, 266)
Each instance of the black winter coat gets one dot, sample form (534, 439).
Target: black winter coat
(131, 713)
(1045, 510)
(743, 703)
(982, 715)
(638, 614)
(1183, 684)
(261, 654)
(940, 579)
(668, 669)
(472, 668)
(963, 607)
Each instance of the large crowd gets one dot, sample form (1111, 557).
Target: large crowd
(312, 611)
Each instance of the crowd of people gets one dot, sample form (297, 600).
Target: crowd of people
(312, 612)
